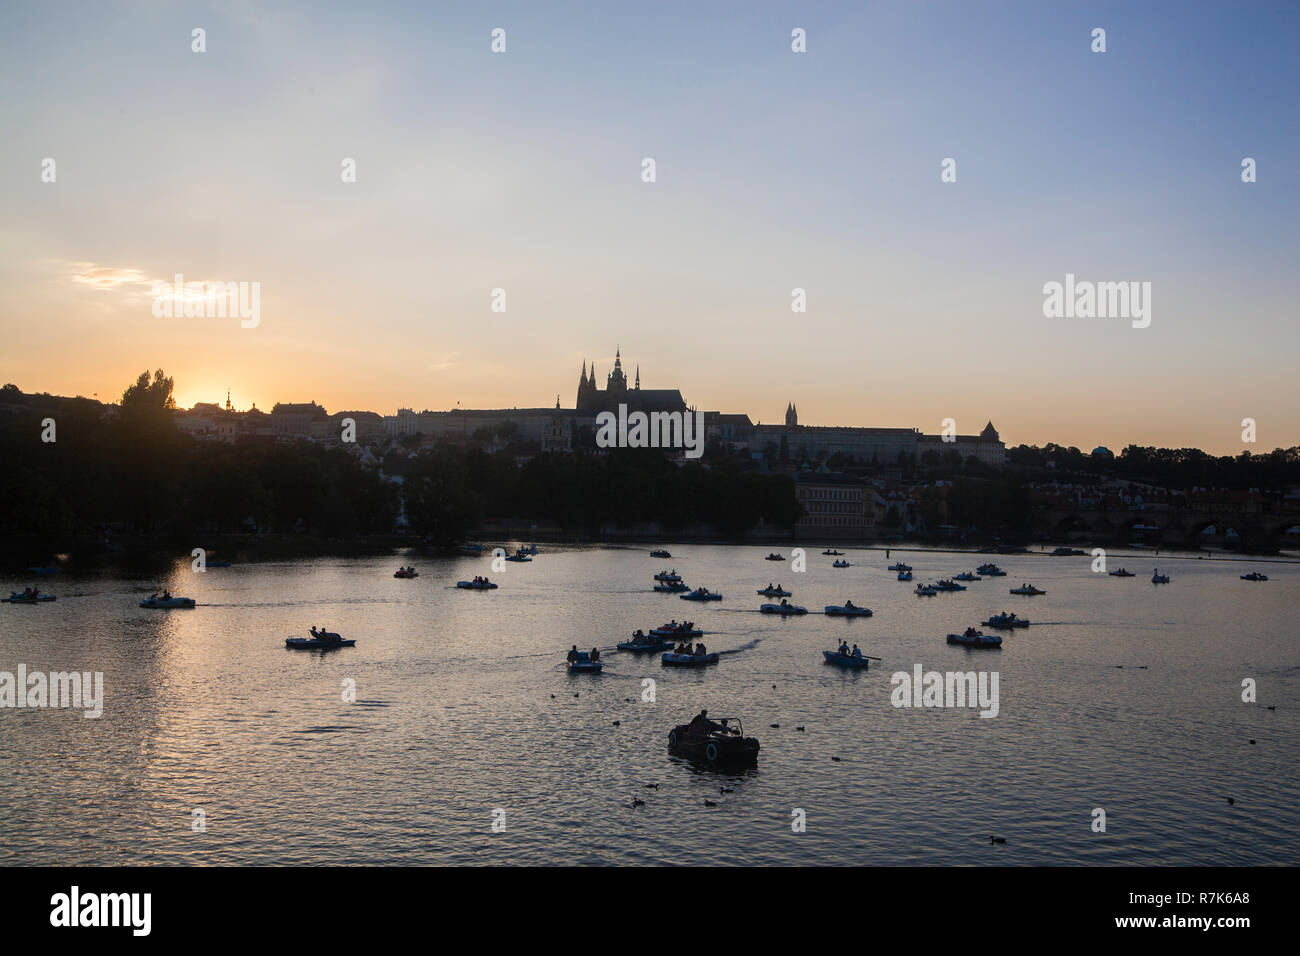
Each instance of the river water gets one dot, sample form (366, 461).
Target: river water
(464, 716)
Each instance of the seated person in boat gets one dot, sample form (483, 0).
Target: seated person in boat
(970, 632)
(700, 650)
(848, 606)
(573, 654)
(595, 654)
(701, 725)
(844, 648)
(857, 653)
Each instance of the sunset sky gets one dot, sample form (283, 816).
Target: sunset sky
(775, 170)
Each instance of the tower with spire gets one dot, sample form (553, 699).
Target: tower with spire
(791, 415)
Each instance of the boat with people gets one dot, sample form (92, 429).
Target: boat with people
(840, 564)
(990, 570)
(1005, 620)
(479, 583)
(904, 575)
(165, 601)
(948, 584)
(668, 575)
(520, 555)
(966, 576)
(1027, 589)
(405, 572)
(583, 662)
(925, 590)
(701, 594)
(1158, 578)
(973, 638)
(785, 608)
(660, 553)
(715, 742)
(774, 557)
(28, 596)
(647, 643)
(320, 639)
(847, 609)
(832, 551)
(1121, 573)
(844, 657)
(775, 591)
(677, 630)
(692, 658)
(1254, 576)
(899, 566)
(672, 587)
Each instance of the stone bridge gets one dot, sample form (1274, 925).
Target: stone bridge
(1178, 527)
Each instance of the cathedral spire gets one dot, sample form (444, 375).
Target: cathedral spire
(638, 377)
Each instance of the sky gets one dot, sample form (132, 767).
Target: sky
(775, 170)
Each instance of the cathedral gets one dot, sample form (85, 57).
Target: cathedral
(592, 399)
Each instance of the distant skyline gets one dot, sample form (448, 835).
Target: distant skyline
(775, 170)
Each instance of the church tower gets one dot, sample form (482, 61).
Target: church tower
(791, 416)
(616, 384)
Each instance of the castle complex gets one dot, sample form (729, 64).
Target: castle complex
(555, 428)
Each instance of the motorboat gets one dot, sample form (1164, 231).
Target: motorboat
(668, 576)
(520, 555)
(966, 576)
(166, 602)
(21, 597)
(785, 608)
(848, 609)
(975, 639)
(319, 640)
(926, 590)
(774, 557)
(675, 659)
(846, 660)
(775, 592)
(1027, 589)
(899, 566)
(1121, 573)
(479, 584)
(1254, 576)
(949, 585)
(832, 551)
(1005, 620)
(581, 663)
(701, 594)
(840, 564)
(660, 553)
(675, 587)
(904, 575)
(406, 573)
(723, 742)
(1158, 578)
